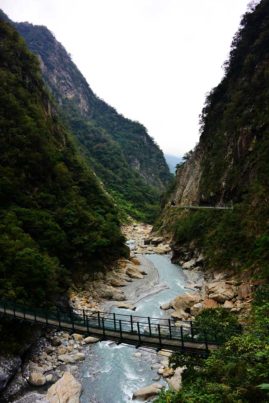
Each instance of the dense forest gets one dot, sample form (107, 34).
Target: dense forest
(55, 218)
(230, 167)
(123, 155)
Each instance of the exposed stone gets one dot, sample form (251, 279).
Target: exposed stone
(65, 390)
(91, 339)
(126, 305)
(188, 265)
(62, 350)
(175, 381)
(166, 306)
(9, 365)
(210, 303)
(49, 378)
(244, 291)
(185, 301)
(77, 337)
(167, 372)
(148, 391)
(196, 308)
(37, 379)
(228, 305)
(180, 314)
(56, 341)
(134, 273)
(220, 291)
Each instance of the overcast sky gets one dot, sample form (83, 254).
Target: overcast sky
(153, 60)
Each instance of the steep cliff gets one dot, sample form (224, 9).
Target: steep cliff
(55, 218)
(123, 155)
(230, 165)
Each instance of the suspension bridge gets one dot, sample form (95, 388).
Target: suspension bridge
(158, 333)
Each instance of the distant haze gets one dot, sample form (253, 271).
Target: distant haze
(153, 60)
(172, 162)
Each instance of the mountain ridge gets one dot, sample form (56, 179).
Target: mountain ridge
(123, 155)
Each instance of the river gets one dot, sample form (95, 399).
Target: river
(111, 372)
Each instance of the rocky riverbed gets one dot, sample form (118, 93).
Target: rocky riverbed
(53, 363)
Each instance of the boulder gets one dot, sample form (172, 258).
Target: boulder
(117, 282)
(56, 341)
(9, 365)
(126, 305)
(65, 390)
(244, 291)
(91, 339)
(37, 379)
(62, 350)
(175, 381)
(220, 291)
(167, 372)
(189, 265)
(228, 305)
(134, 273)
(148, 391)
(210, 303)
(166, 306)
(196, 308)
(185, 301)
(180, 314)
(77, 337)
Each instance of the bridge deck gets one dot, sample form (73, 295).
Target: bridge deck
(130, 331)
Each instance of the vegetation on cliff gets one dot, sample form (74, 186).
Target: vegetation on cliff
(123, 155)
(55, 218)
(237, 372)
(230, 166)
(231, 161)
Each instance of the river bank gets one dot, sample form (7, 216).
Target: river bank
(56, 353)
(133, 285)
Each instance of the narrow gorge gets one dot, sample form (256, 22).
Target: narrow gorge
(120, 281)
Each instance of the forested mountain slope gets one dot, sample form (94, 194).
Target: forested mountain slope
(55, 218)
(230, 165)
(123, 155)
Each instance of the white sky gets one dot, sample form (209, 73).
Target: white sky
(153, 60)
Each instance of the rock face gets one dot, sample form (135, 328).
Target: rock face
(66, 390)
(9, 365)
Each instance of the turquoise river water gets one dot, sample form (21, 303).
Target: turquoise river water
(111, 372)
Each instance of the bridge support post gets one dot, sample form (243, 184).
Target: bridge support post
(87, 324)
(84, 317)
(114, 320)
(103, 327)
(149, 326)
(170, 330)
(132, 325)
(120, 329)
(192, 333)
(206, 344)
(59, 317)
(182, 337)
(99, 321)
(159, 334)
(139, 335)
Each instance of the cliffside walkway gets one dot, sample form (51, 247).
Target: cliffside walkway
(158, 333)
(204, 207)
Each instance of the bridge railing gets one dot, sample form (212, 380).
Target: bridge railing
(148, 327)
